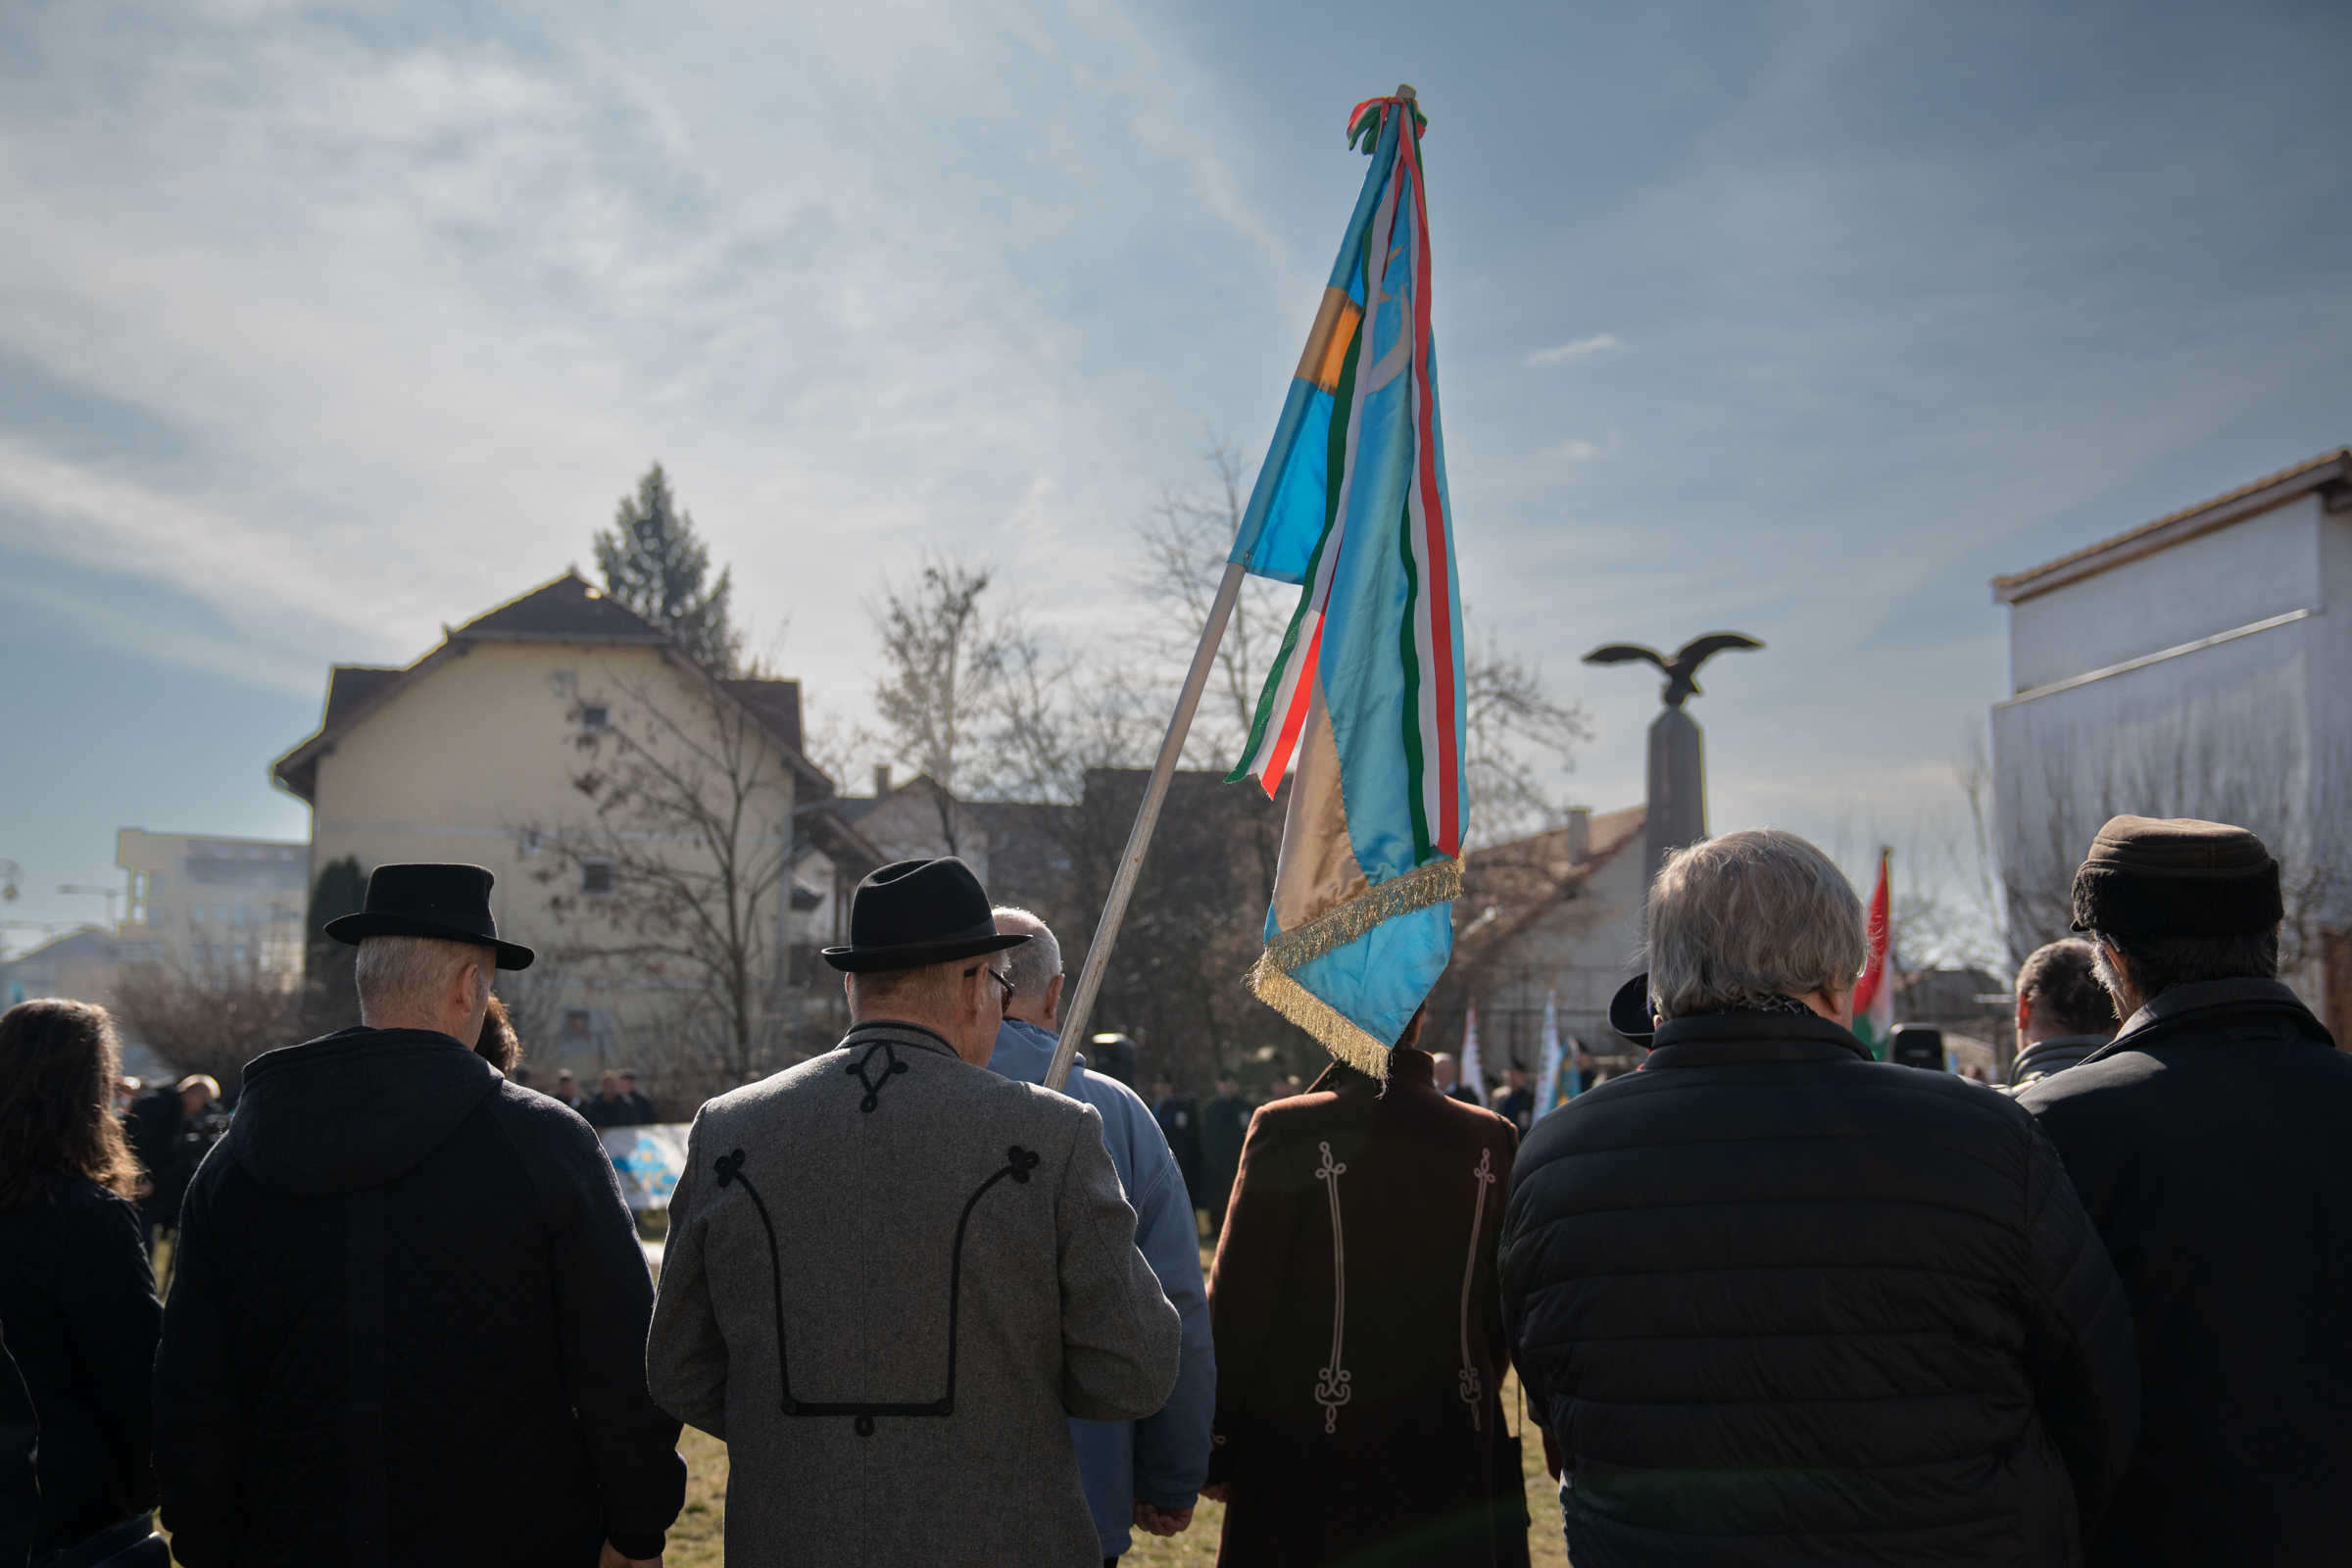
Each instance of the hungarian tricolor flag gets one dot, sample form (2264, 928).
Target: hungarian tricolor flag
(1874, 993)
(1366, 694)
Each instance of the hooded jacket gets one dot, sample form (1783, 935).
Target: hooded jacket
(408, 1325)
(2209, 1142)
(1782, 1304)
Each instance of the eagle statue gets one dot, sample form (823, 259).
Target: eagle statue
(1682, 670)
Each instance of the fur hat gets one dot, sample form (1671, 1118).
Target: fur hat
(2177, 878)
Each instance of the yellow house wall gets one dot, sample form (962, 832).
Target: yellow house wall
(456, 764)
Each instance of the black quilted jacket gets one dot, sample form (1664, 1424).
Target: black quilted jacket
(1780, 1304)
(408, 1326)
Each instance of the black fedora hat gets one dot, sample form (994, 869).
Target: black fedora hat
(915, 913)
(448, 902)
(1629, 1010)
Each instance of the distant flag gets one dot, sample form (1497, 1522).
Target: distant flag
(1366, 695)
(1874, 993)
(1548, 1072)
(1474, 1071)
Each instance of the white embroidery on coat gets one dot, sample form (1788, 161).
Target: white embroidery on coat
(1472, 1389)
(1331, 1385)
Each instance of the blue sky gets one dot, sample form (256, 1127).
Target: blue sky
(323, 326)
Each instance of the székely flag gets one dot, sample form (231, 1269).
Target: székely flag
(1366, 694)
(1874, 993)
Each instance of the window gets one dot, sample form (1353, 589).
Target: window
(596, 876)
(576, 1022)
(596, 716)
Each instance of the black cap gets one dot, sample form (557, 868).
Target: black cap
(450, 903)
(2182, 877)
(915, 913)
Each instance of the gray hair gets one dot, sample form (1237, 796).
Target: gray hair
(927, 991)
(406, 975)
(1737, 919)
(1030, 967)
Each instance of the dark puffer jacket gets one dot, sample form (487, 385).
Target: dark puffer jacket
(1782, 1304)
(408, 1325)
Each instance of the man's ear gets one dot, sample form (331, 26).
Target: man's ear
(1054, 996)
(2025, 1011)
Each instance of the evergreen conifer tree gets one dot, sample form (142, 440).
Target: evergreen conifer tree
(653, 564)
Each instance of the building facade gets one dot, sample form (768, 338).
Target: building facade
(2191, 667)
(199, 902)
(641, 816)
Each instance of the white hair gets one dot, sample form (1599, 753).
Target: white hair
(406, 975)
(1030, 967)
(1737, 919)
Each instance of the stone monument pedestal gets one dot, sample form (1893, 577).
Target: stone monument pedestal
(1678, 788)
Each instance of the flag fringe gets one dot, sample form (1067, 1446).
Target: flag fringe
(1332, 1030)
(1439, 882)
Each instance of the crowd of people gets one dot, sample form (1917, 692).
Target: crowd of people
(1768, 1299)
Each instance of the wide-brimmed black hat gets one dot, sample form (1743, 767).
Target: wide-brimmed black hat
(448, 902)
(1629, 1010)
(915, 913)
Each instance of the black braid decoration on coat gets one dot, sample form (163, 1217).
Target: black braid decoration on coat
(873, 1086)
(1018, 1164)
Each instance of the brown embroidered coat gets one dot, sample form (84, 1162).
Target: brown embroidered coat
(1359, 1331)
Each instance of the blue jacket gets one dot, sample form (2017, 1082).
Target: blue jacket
(1164, 1458)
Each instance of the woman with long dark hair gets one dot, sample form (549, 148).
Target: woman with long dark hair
(78, 1302)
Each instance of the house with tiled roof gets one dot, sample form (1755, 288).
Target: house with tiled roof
(2191, 667)
(492, 748)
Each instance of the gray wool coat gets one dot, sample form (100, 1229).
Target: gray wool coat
(845, 1441)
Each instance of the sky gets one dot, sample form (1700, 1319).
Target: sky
(325, 326)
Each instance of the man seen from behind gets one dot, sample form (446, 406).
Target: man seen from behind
(1778, 1303)
(410, 1328)
(1138, 1475)
(2209, 1142)
(2062, 1011)
(891, 1276)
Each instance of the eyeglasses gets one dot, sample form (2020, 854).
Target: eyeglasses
(1003, 982)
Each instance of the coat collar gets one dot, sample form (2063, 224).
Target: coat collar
(898, 1032)
(2203, 1004)
(1736, 1039)
(2064, 1049)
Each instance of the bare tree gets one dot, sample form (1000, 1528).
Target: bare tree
(1186, 538)
(943, 654)
(2220, 768)
(1510, 714)
(223, 1006)
(670, 886)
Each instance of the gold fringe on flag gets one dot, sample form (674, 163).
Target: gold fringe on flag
(1439, 882)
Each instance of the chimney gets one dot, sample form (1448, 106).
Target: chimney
(881, 779)
(1579, 834)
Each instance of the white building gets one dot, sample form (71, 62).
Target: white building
(198, 901)
(2191, 667)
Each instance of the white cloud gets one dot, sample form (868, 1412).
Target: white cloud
(1582, 348)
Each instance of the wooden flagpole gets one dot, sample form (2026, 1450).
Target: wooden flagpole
(1139, 838)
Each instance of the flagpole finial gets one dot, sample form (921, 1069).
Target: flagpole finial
(1405, 91)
